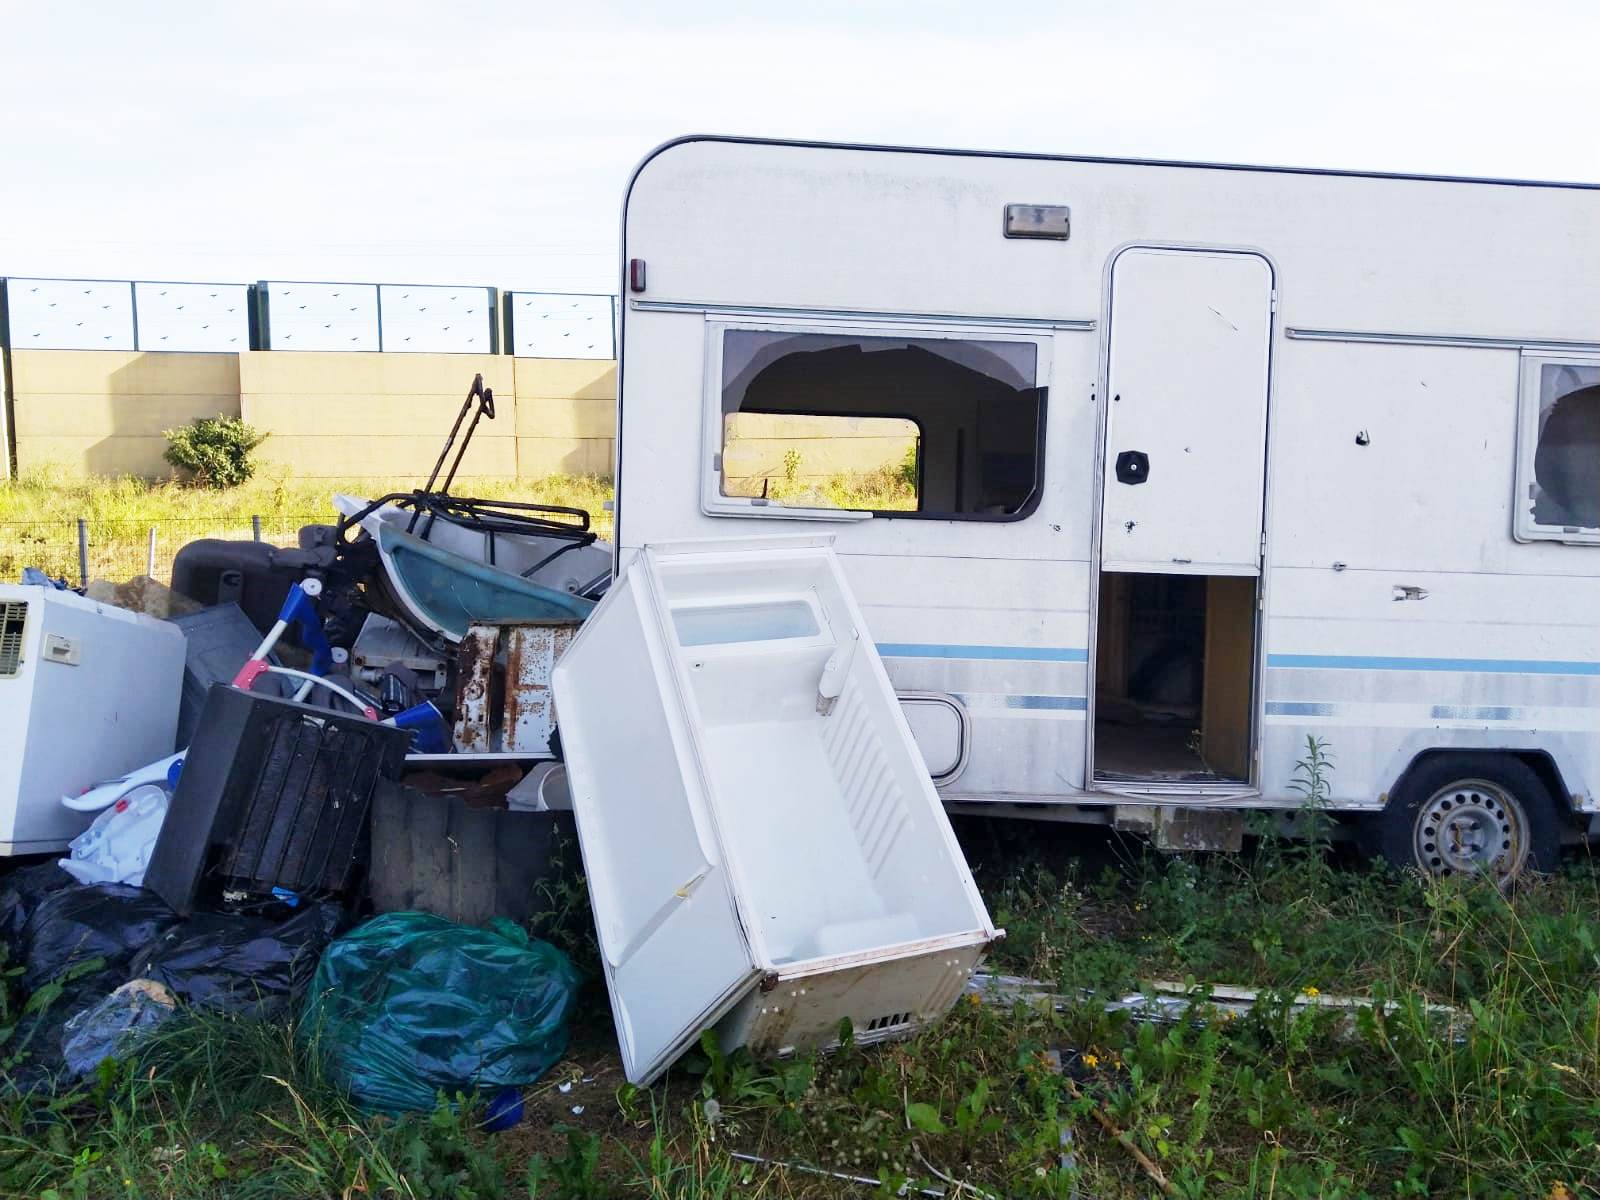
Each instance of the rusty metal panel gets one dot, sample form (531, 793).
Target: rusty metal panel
(474, 670)
(531, 653)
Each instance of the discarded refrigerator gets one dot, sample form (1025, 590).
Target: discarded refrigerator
(88, 691)
(764, 848)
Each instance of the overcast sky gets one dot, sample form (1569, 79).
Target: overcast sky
(490, 142)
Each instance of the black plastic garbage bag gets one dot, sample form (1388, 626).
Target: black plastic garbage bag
(103, 920)
(20, 893)
(409, 1005)
(115, 1024)
(64, 933)
(34, 1049)
(252, 966)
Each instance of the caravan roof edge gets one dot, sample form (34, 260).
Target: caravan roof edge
(953, 152)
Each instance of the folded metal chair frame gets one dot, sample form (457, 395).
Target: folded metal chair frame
(492, 517)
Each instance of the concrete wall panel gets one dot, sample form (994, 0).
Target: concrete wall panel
(104, 411)
(355, 414)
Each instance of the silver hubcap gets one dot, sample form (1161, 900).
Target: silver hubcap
(1471, 826)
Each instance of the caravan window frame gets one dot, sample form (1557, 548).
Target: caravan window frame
(1524, 527)
(714, 503)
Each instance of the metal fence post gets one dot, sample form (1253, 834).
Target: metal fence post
(83, 552)
(133, 310)
(258, 310)
(255, 526)
(150, 557)
(508, 321)
(8, 443)
(377, 292)
(494, 322)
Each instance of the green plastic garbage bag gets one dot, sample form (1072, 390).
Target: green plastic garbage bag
(409, 1005)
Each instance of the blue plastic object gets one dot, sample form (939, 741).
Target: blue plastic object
(173, 773)
(429, 732)
(451, 592)
(504, 1112)
(299, 611)
(410, 1006)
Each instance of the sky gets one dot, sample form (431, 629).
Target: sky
(490, 143)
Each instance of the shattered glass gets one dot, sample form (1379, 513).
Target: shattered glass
(1565, 489)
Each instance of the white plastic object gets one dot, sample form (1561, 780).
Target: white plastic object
(554, 794)
(117, 845)
(66, 727)
(543, 789)
(103, 795)
(764, 848)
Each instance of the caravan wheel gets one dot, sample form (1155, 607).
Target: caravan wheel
(1456, 814)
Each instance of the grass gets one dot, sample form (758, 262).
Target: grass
(39, 512)
(883, 490)
(890, 488)
(1285, 1101)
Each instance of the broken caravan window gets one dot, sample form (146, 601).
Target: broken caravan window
(895, 426)
(1559, 492)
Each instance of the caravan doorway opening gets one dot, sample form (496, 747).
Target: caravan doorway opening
(1174, 678)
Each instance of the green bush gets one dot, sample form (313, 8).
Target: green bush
(215, 451)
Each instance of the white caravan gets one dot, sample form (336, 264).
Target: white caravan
(1145, 473)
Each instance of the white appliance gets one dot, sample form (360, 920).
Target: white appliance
(764, 847)
(88, 692)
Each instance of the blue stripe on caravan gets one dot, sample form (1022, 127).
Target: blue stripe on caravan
(1466, 712)
(1011, 653)
(1064, 703)
(1496, 666)
(1298, 708)
(1056, 703)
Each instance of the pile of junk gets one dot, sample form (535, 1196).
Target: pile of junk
(332, 782)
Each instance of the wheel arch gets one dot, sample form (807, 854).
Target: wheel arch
(1541, 762)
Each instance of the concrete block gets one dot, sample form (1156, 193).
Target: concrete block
(567, 378)
(123, 373)
(402, 456)
(1178, 828)
(374, 415)
(123, 455)
(287, 372)
(537, 457)
(98, 415)
(578, 417)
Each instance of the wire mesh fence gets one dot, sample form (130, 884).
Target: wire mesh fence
(84, 549)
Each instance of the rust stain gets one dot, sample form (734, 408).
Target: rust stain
(531, 653)
(474, 668)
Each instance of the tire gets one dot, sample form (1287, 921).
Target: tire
(1449, 811)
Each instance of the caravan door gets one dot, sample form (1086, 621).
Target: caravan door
(1176, 628)
(1185, 442)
